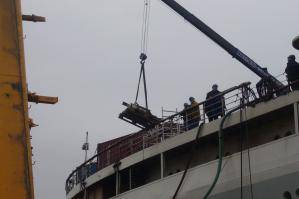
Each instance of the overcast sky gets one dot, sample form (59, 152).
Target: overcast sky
(87, 55)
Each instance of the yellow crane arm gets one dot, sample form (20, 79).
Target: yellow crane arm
(15, 147)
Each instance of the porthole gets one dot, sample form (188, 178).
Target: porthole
(297, 192)
(287, 195)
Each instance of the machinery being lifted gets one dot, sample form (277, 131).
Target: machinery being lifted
(134, 113)
(139, 116)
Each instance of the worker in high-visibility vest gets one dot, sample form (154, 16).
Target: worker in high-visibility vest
(193, 114)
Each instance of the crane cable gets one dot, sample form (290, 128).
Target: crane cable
(145, 26)
(143, 50)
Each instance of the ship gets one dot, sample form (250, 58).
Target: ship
(248, 151)
(260, 156)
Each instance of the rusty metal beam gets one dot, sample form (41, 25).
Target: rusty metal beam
(33, 97)
(33, 18)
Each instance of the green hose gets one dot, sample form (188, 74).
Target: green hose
(220, 152)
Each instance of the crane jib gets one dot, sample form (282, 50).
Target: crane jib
(214, 36)
(251, 64)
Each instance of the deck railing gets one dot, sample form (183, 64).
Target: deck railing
(171, 126)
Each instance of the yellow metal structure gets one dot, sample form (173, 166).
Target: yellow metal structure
(15, 148)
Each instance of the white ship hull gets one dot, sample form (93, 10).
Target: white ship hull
(274, 166)
(155, 171)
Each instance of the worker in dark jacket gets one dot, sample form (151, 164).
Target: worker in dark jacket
(193, 114)
(265, 88)
(215, 104)
(292, 71)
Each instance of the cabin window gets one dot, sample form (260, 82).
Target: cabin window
(125, 180)
(109, 186)
(287, 195)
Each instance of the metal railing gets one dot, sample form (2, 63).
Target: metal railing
(171, 126)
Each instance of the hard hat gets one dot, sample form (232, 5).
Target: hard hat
(215, 85)
(295, 42)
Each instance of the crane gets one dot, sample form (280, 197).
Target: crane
(218, 39)
(15, 124)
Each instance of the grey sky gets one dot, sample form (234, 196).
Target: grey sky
(87, 54)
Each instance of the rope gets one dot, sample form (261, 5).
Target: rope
(241, 150)
(144, 85)
(143, 50)
(220, 150)
(143, 57)
(243, 121)
(248, 153)
(140, 74)
(145, 26)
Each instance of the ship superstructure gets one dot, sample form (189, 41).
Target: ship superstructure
(152, 163)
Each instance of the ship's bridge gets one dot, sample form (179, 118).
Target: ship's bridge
(153, 155)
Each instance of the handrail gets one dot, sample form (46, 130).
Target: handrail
(130, 136)
(101, 152)
(201, 103)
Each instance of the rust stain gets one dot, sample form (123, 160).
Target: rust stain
(16, 137)
(11, 51)
(17, 107)
(17, 86)
(7, 95)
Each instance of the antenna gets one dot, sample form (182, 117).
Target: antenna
(85, 146)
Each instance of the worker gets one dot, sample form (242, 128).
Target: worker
(193, 114)
(215, 104)
(184, 115)
(265, 88)
(292, 71)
